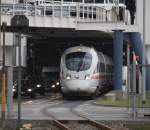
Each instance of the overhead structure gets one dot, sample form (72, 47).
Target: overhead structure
(118, 59)
(102, 15)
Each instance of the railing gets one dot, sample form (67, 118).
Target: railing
(80, 11)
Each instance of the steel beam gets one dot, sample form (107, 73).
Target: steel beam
(118, 59)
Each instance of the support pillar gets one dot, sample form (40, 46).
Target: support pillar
(118, 59)
(139, 48)
(10, 91)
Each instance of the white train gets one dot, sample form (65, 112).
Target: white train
(85, 72)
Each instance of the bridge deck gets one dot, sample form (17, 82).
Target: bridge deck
(76, 16)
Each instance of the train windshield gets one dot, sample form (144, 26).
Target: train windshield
(78, 61)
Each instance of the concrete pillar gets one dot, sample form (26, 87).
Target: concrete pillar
(9, 91)
(118, 59)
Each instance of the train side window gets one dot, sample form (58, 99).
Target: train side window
(99, 68)
(102, 66)
(36, 2)
(112, 69)
(107, 68)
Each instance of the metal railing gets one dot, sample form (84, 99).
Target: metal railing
(76, 10)
(139, 99)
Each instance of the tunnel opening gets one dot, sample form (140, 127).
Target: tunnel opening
(44, 51)
(44, 55)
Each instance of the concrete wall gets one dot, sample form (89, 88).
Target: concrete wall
(140, 19)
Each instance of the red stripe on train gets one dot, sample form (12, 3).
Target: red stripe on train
(98, 77)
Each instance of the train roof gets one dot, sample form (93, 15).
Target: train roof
(79, 48)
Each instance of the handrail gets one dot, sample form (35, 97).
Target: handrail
(89, 12)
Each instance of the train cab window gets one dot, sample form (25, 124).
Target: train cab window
(78, 61)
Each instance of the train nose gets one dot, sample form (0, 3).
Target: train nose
(81, 86)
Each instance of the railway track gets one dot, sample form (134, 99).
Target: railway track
(85, 124)
(82, 125)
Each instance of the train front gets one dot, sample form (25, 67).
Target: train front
(77, 67)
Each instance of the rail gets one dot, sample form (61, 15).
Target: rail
(77, 10)
(94, 123)
(60, 124)
(99, 126)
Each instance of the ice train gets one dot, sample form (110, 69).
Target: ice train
(85, 72)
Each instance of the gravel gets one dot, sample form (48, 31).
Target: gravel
(75, 125)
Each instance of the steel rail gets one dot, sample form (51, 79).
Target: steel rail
(91, 122)
(94, 123)
(61, 125)
(56, 122)
(100, 125)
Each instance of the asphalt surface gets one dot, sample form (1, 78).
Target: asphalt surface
(48, 107)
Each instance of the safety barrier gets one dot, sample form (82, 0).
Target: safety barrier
(78, 10)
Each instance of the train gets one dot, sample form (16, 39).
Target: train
(85, 72)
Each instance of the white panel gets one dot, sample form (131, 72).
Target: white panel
(147, 22)
(9, 1)
(147, 19)
(148, 53)
(106, 27)
(23, 53)
(39, 21)
(139, 15)
(8, 39)
(8, 55)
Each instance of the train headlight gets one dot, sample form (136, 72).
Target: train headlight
(53, 86)
(38, 85)
(29, 90)
(68, 77)
(14, 90)
(87, 77)
(57, 83)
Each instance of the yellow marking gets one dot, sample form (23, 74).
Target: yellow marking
(3, 93)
